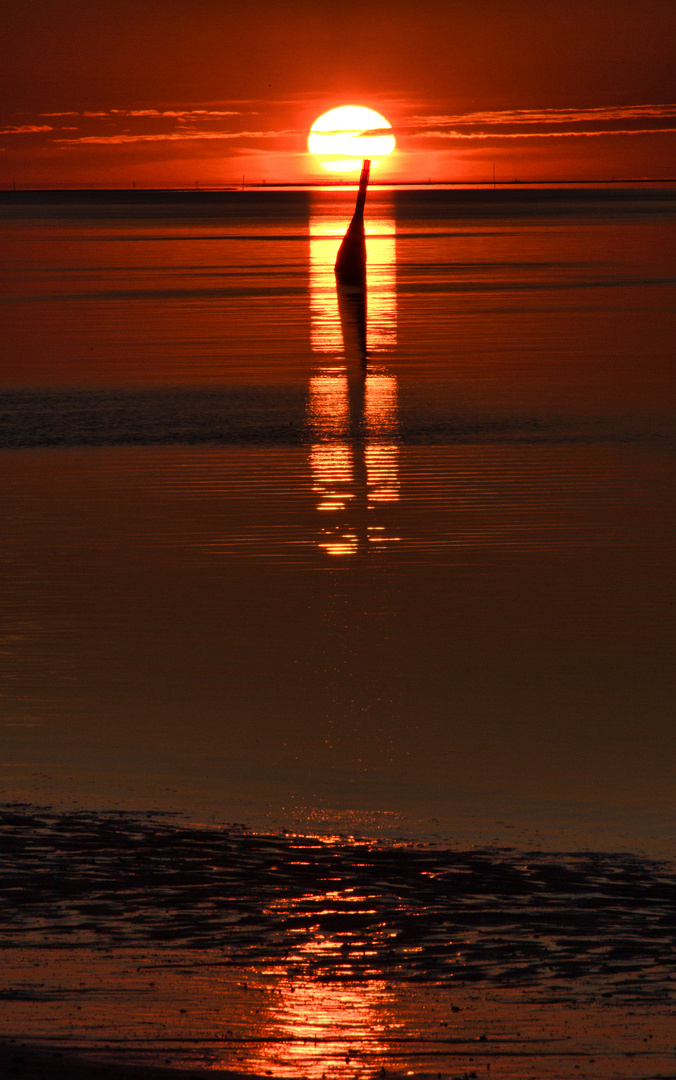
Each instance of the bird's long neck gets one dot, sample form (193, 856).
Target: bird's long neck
(351, 258)
(361, 196)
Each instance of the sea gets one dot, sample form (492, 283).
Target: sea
(337, 630)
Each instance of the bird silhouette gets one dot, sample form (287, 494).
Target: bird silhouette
(351, 259)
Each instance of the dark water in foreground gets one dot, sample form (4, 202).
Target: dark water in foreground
(403, 575)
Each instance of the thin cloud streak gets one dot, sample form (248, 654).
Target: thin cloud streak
(539, 134)
(172, 136)
(26, 129)
(174, 113)
(198, 123)
(157, 114)
(548, 116)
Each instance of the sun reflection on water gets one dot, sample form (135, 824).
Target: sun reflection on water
(329, 403)
(317, 1028)
(355, 466)
(352, 401)
(380, 418)
(326, 234)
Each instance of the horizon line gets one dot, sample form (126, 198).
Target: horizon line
(331, 184)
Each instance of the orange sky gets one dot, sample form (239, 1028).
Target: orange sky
(177, 92)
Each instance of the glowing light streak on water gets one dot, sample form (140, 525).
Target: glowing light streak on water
(326, 234)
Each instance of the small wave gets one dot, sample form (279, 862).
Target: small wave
(260, 416)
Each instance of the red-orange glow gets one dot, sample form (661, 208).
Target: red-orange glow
(105, 98)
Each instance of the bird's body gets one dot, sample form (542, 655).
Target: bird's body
(351, 259)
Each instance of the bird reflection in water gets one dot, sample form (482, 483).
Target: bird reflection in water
(352, 410)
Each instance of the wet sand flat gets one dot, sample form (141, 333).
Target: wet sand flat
(26, 1063)
(132, 939)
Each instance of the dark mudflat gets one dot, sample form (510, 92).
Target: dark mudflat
(27, 1063)
(397, 912)
(18, 1062)
(133, 935)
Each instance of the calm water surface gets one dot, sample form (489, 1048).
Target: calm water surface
(249, 573)
(401, 571)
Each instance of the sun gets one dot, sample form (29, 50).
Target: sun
(343, 137)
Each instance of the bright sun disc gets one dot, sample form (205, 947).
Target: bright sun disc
(343, 137)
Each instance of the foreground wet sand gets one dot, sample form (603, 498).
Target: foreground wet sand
(27, 1063)
(131, 940)
(525, 1039)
